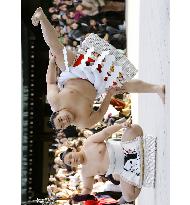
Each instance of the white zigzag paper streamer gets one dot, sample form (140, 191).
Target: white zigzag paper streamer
(100, 45)
(149, 161)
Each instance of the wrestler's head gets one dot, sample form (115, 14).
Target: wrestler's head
(61, 120)
(71, 158)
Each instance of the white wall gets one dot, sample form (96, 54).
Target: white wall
(153, 61)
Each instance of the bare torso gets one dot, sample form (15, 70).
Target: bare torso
(77, 96)
(97, 158)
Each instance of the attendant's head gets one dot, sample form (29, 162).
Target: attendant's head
(61, 120)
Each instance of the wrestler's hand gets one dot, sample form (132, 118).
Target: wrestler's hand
(127, 124)
(120, 90)
(115, 90)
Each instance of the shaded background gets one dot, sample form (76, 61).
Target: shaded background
(36, 136)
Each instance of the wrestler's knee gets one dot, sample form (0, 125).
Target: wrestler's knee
(137, 129)
(129, 196)
(133, 132)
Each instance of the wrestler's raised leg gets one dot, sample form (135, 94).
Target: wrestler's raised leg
(51, 38)
(139, 86)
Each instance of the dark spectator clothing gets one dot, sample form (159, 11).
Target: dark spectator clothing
(71, 132)
(112, 26)
(78, 15)
(78, 33)
(98, 29)
(112, 31)
(118, 41)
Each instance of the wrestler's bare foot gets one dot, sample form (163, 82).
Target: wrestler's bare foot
(37, 16)
(161, 92)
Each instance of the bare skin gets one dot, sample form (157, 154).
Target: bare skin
(73, 104)
(98, 162)
(77, 106)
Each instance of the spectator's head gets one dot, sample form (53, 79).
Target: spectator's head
(65, 39)
(104, 20)
(71, 14)
(68, 2)
(74, 26)
(68, 28)
(92, 22)
(63, 7)
(54, 188)
(75, 43)
(52, 178)
(54, 17)
(64, 17)
(58, 28)
(52, 10)
(56, 2)
(58, 161)
(60, 176)
(79, 7)
(69, 21)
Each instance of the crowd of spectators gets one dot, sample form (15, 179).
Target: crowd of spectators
(64, 182)
(74, 19)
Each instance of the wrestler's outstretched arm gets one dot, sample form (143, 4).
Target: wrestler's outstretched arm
(87, 184)
(51, 38)
(51, 80)
(107, 132)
